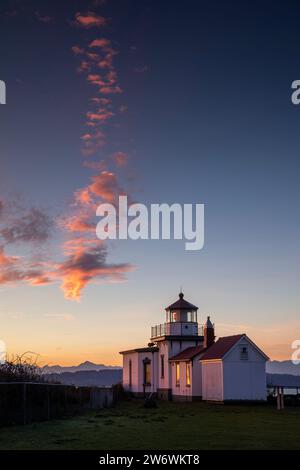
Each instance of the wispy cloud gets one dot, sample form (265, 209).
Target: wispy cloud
(89, 20)
(85, 266)
(34, 226)
(84, 259)
(102, 43)
(14, 269)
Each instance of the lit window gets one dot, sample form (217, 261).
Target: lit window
(162, 366)
(147, 373)
(177, 374)
(188, 374)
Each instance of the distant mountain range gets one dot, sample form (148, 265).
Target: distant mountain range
(84, 366)
(91, 374)
(283, 367)
(85, 374)
(95, 378)
(286, 380)
(273, 367)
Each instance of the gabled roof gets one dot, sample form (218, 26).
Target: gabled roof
(181, 304)
(188, 353)
(221, 347)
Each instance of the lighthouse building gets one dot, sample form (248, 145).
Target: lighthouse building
(184, 362)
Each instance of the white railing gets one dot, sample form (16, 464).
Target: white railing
(177, 329)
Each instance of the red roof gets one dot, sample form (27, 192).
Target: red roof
(188, 354)
(221, 347)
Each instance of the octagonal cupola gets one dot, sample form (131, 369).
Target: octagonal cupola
(181, 311)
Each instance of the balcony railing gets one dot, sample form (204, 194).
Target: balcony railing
(177, 329)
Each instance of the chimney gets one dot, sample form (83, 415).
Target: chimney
(209, 333)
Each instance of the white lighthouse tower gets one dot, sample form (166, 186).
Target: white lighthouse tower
(149, 369)
(179, 332)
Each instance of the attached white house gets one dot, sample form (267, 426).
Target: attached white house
(184, 363)
(233, 368)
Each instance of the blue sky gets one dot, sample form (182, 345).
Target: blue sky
(206, 118)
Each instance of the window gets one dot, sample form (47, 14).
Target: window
(147, 372)
(177, 374)
(130, 373)
(188, 374)
(244, 353)
(162, 366)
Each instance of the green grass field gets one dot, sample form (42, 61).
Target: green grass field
(170, 426)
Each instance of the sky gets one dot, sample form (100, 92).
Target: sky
(166, 102)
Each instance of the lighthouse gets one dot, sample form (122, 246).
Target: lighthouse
(149, 370)
(183, 362)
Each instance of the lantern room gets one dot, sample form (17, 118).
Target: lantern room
(181, 321)
(181, 311)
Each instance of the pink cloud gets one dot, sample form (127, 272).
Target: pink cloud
(96, 79)
(89, 20)
(110, 90)
(85, 265)
(102, 115)
(106, 186)
(14, 269)
(103, 43)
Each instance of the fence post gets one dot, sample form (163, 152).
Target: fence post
(24, 403)
(278, 398)
(48, 403)
(282, 398)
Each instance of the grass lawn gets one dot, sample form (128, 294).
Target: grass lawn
(170, 426)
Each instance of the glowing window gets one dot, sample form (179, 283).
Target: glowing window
(188, 374)
(147, 373)
(177, 374)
